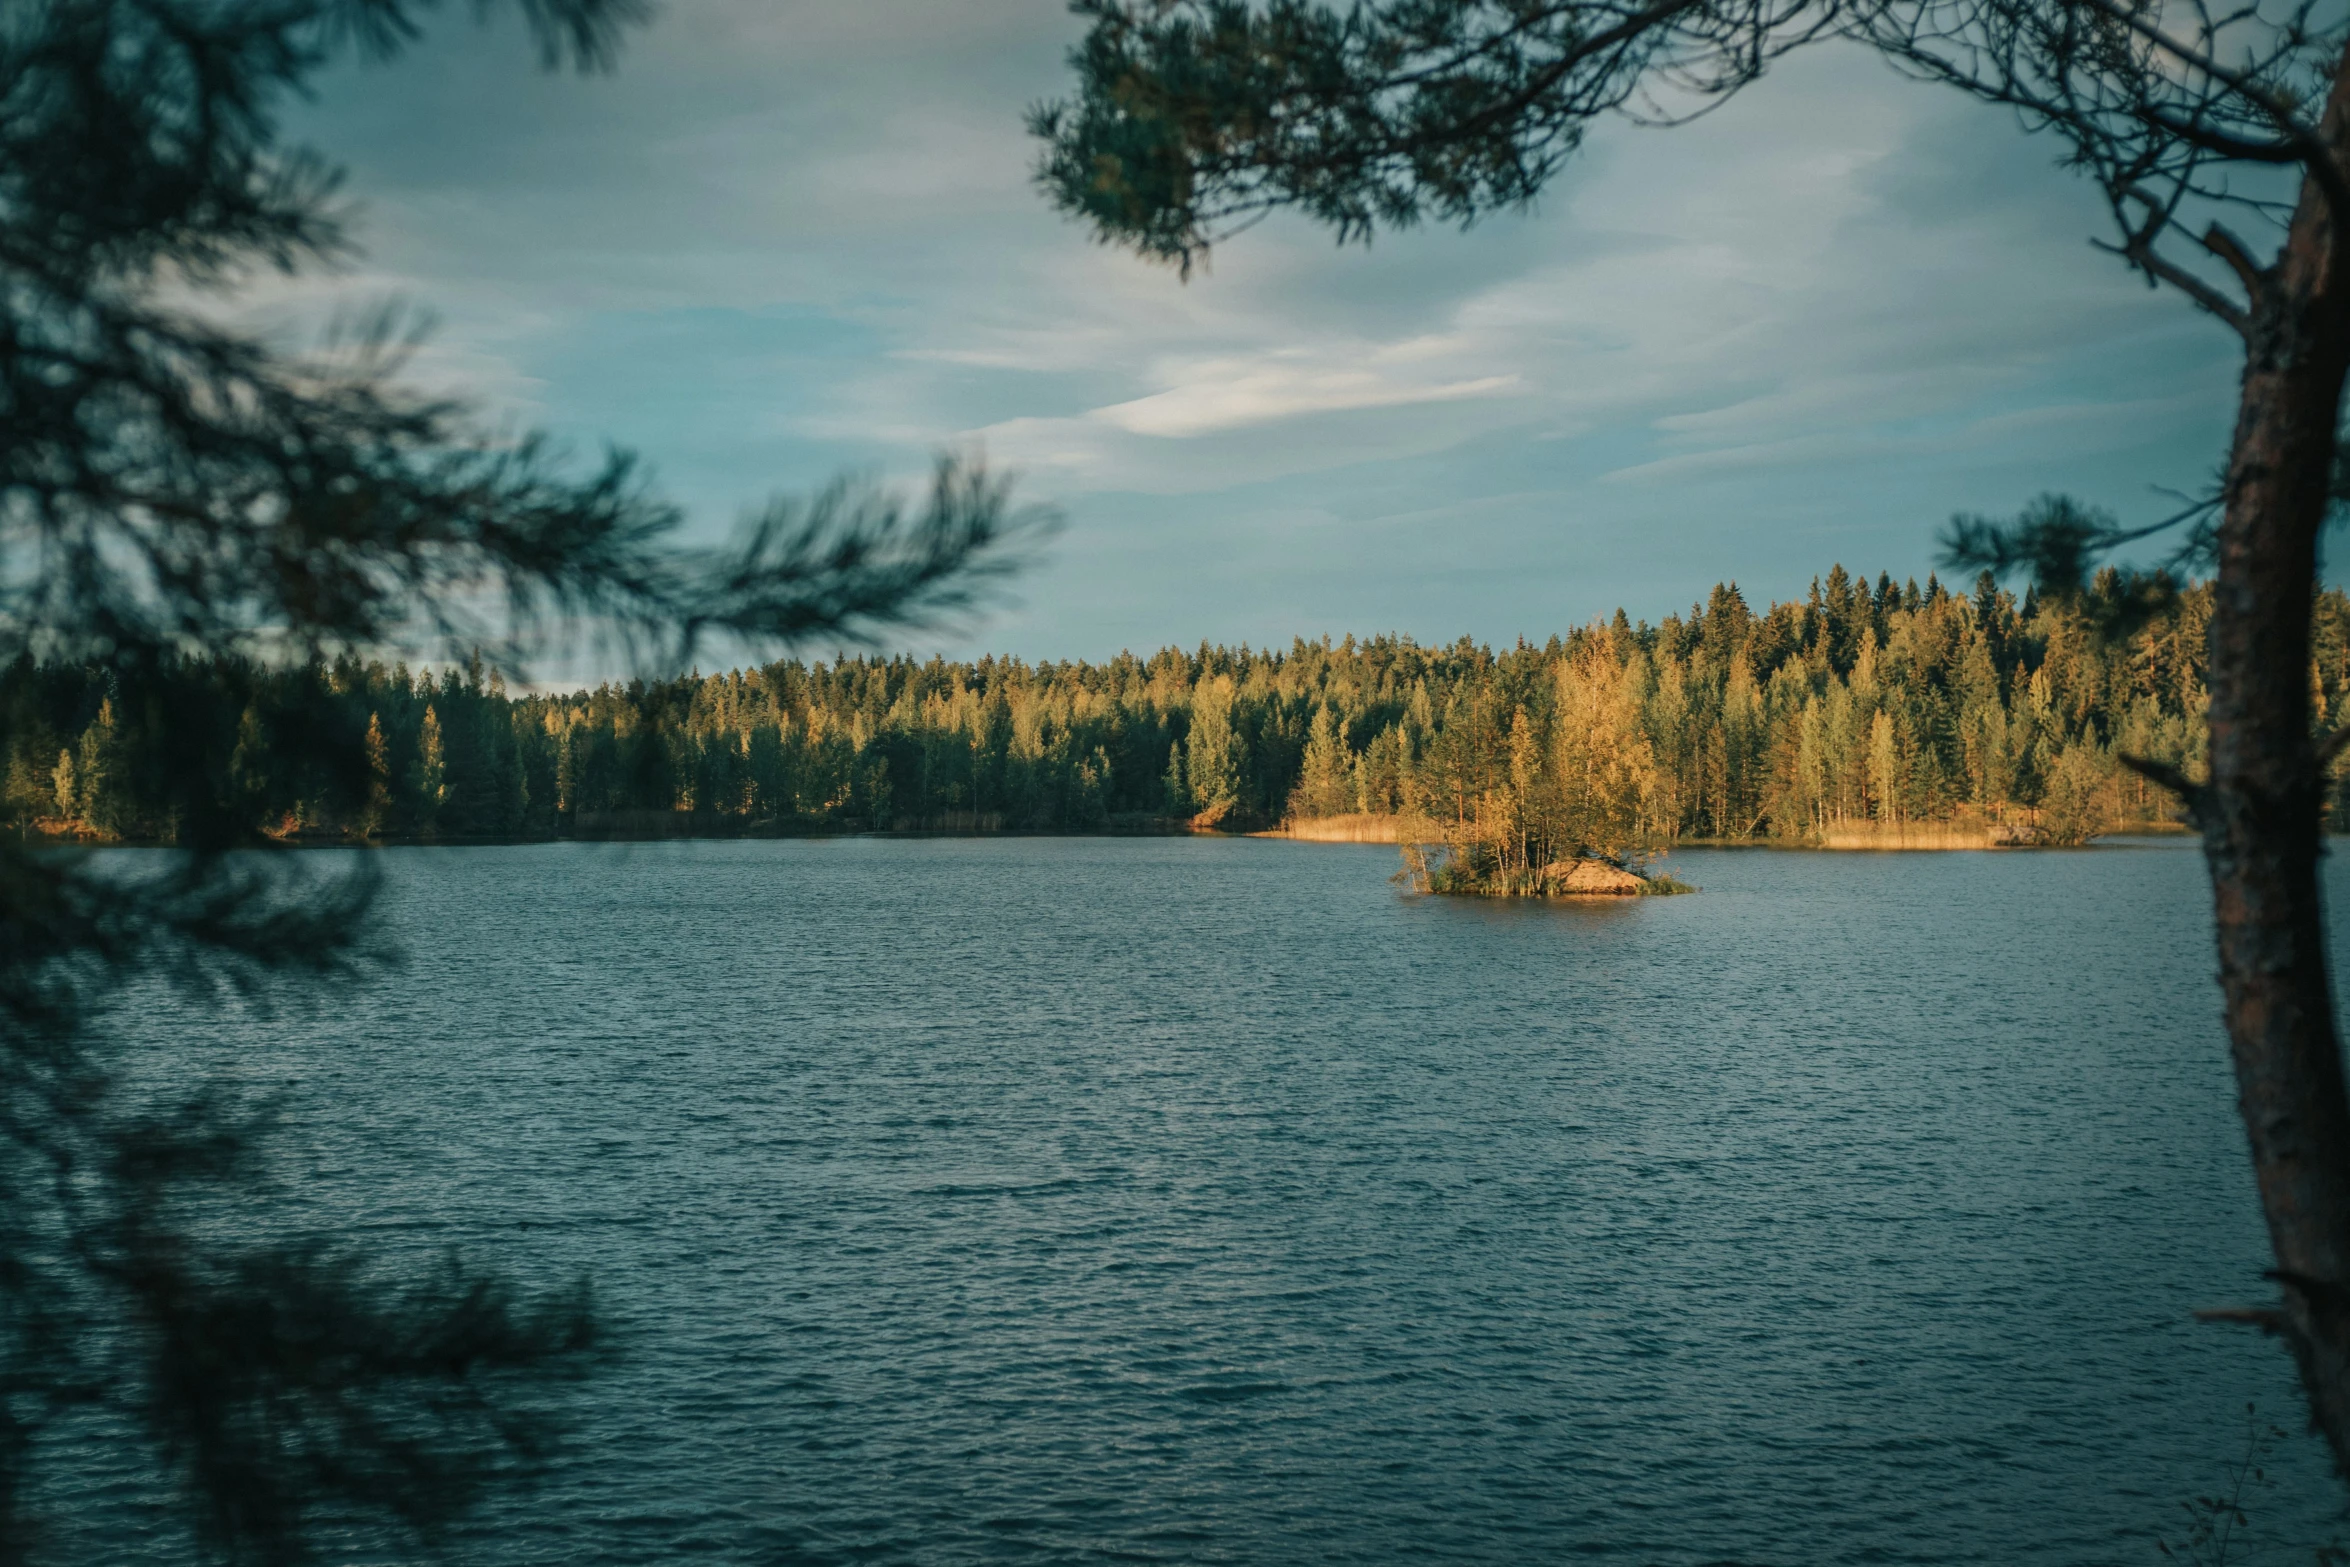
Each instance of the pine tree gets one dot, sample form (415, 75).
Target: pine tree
(1326, 781)
(249, 763)
(1211, 752)
(1884, 769)
(97, 803)
(430, 783)
(378, 809)
(1174, 787)
(186, 505)
(1382, 778)
(68, 787)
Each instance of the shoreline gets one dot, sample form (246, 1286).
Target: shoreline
(1906, 838)
(1948, 836)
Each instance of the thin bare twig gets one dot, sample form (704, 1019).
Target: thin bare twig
(2190, 793)
(2266, 1318)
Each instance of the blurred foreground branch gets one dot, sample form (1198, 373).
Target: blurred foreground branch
(172, 492)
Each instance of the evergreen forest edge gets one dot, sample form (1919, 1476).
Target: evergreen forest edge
(1892, 705)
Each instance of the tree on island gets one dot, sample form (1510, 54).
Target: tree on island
(1193, 117)
(179, 502)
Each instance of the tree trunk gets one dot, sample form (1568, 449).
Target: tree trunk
(2260, 810)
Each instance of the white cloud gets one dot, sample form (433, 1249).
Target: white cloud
(1845, 283)
(1227, 394)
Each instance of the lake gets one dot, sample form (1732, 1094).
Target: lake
(1205, 1200)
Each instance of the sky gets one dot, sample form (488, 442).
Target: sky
(788, 240)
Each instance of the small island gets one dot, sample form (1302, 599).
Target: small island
(1477, 873)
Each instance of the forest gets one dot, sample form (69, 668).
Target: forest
(1854, 707)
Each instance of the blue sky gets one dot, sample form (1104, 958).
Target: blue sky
(788, 240)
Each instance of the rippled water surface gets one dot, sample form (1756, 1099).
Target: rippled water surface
(1211, 1201)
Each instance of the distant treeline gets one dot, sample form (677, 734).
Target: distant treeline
(1891, 704)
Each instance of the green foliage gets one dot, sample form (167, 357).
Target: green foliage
(196, 529)
(1201, 112)
(1857, 705)
(1326, 783)
(1192, 118)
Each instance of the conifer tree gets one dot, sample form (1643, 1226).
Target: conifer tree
(432, 771)
(1211, 752)
(1884, 769)
(1326, 784)
(249, 762)
(183, 509)
(94, 775)
(377, 810)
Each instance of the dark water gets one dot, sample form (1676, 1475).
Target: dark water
(1210, 1201)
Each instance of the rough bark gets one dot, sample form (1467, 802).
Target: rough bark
(2260, 810)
